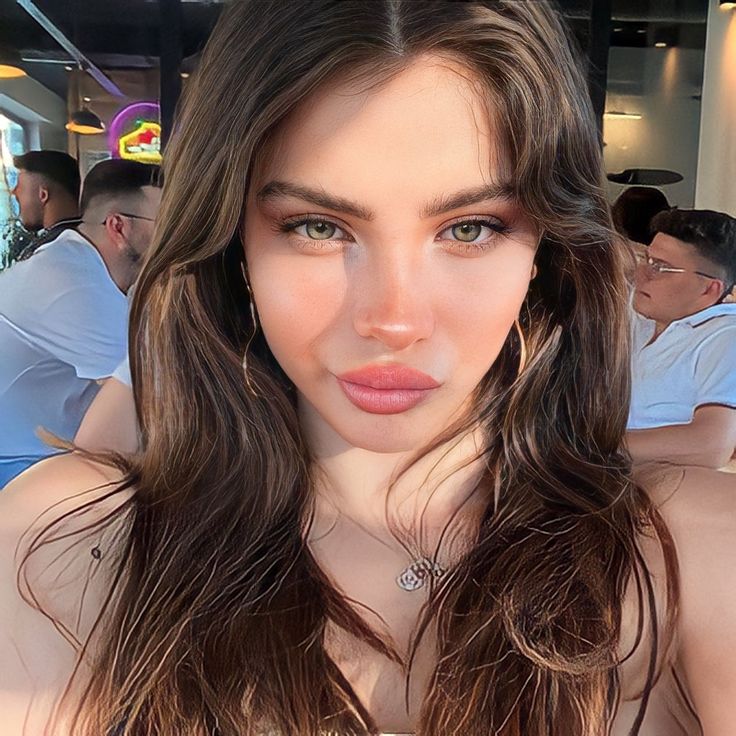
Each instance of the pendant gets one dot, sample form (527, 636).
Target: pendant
(416, 575)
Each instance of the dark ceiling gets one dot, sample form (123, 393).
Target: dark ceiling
(113, 34)
(116, 34)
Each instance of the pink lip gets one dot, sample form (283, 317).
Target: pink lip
(386, 389)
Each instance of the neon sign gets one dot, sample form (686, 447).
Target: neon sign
(135, 133)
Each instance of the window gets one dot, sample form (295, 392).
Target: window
(12, 143)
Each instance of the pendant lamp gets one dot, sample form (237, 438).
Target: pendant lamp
(85, 122)
(10, 63)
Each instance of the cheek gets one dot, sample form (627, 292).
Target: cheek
(669, 293)
(298, 303)
(307, 307)
(478, 317)
(147, 235)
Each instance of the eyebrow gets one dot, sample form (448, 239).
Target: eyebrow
(438, 206)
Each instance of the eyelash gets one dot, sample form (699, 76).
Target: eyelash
(476, 247)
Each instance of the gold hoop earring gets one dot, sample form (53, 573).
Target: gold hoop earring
(522, 347)
(254, 320)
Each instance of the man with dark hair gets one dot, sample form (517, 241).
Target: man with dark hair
(119, 204)
(47, 191)
(63, 312)
(683, 405)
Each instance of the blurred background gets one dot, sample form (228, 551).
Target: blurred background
(101, 78)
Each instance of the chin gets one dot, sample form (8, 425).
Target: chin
(386, 442)
(640, 305)
(409, 431)
(380, 433)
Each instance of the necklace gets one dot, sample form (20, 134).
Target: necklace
(416, 575)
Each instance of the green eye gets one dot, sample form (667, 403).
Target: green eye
(467, 232)
(320, 230)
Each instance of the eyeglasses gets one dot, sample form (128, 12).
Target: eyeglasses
(656, 268)
(132, 217)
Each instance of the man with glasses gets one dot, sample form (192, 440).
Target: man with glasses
(683, 404)
(63, 312)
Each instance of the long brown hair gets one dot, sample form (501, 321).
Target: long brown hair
(216, 619)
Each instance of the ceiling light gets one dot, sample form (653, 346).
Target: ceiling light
(645, 177)
(727, 5)
(10, 64)
(85, 122)
(8, 71)
(666, 36)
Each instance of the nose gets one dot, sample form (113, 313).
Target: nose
(643, 273)
(393, 303)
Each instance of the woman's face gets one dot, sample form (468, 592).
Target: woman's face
(386, 260)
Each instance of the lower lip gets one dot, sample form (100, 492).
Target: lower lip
(383, 400)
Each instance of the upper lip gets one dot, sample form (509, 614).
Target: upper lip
(389, 377)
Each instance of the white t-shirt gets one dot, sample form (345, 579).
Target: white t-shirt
(692, 363)
(122, 373)
(63, 325)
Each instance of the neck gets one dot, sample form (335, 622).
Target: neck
(371, 489)
(659, 328)
(109, 253)
(54, 213)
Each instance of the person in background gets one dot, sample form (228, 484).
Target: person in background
(111, 422)
(47, 192)
(119, 203)
(683, 404)
(63, 313)
(633, 211)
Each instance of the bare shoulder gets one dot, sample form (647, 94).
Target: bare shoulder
(690, 495)
(44, 513)
(52, 581)
(699, 507)
(53, 486)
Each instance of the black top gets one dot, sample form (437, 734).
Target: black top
(47, 236)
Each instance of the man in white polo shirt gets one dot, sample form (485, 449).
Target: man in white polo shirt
(63, 312)
(683, 403)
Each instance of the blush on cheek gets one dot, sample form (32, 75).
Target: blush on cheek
(296, 314)
(483, 353)
(495, 320)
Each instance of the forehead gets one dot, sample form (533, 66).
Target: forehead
(679, 253)
(27, 177)
(425, 130)
(668, 248)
